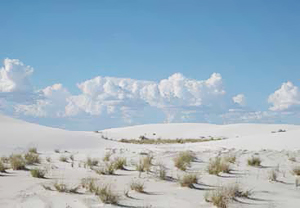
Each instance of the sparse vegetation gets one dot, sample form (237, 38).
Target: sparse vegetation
(2, 167)
(144, 164)
(183, 160)
(166, 141)
(272, 175)
(230, 158)
(57, 151)
(222, 196)
(72, 158)
(107, 195)
(17, 162)
(217, 166)
(296, 171)
(91, 162)
(89, 184)
(33, 150)
(293, 159)
(137, 186)
(188, 180)
(62, 187)
(254, 161)
(38, 173)
(32, 158)
(63, 158)
(48, 159)
(162, 173)
(120, 163)
(107, 156)
(4, 159)
(108, 169)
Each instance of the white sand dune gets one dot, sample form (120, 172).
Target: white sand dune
(18, 189)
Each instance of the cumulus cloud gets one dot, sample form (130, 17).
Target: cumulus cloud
(285, 98)
(14, 76)
(239, 99)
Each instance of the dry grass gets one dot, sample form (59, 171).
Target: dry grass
(17, 162)
(2, 167)
(166, 141)
(272, 175)
(293, 159)
(162, 172)
(89, 184)
(108, 169)
(144, 164)
(222, 196)
(137, 186)
(217, 166)
(230, 158)
(32, 158)
(63, 158)
(188, 180)
(120, 163)
(107, 156)
(91, 162)
(62, 187)
(254, 161)
(4, 159)
(296, 171)
(107, 195)
(183, 160)
(38, 173)
(32, 150)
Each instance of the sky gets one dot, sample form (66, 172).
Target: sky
(88, 65)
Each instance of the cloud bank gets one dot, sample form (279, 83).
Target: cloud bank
(110, 101)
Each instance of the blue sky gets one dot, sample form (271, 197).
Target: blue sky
(254, 45)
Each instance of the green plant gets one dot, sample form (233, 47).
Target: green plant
(2, 167)
(107, 156)
(217, 166)
(162, 173)
(32, 158)
(32, 150)
(183, 160)
(108, 169)
(120, 163)
(38, 173)
(188, 180)
(17, 162)
(91, 162)
(254, 161)
(89, 184)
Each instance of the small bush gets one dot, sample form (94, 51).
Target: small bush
(272, 175)
(38, 173)
(17, 162)
(297, 181)
(296, 171)
(63, 158)
(107, 156)
(4, 159)
(32, 150)
(162, 173)
(137, 186)
(32, 158)
(107, 196)
(188, 180)
(230, 158)
(108, 169)
(89, 184)
(60, 187)
(120, 163)
(217, 166)
(91, 162)
(2, 167)
(183, 160)
(144, 164)
(254, 161)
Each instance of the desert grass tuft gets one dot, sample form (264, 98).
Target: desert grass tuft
(162, 172)
(296, 171)
(144, 164)
(17, 162)
(217, 166)
(108, 169)
(107, 156)
(32, 158)
(2, 167)
(137, 186)
(230, 158)
(120, 163)
(107, 195)
(63, 158)
(38, 173)
(183, 160)
(89, 184)
(254, 161)
(90, 162)
(272, 175)
(4, 159)
(33, 150)
(62, 187)
(188, 180)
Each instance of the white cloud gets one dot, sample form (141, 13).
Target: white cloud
(14, 76)
(239, 99)
(285, 98)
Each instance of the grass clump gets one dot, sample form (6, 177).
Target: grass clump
(120, 163)
(217, 166)
(162, 173)
(296, 171)
(222, 196)
(107, 156)
(144, 164)
(89, 184)
(137, 186)
(32, 158)
(17, 162)
(108, 169)
(4, 159)
(273, 175)
(166, 141)
(63, 158)
(183, 160)
(33, 150)
(62, 187)
(230, 158)
(91, 162)
(254, 161)
(2, 167)
(188, 180)
(38, 173)
(107, 195)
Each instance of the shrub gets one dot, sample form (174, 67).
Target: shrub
(293, 159)
(120, 163)
(230, 158)
(2, 167)
(32, 158)
(218, 165)
(32, 150)
(188, 180)
(91, 162)
(183, 160)
(162, 173)
(137, 186)
(4, 159)
(254, 161)
(222, 196)
(108, 169)
(17, 162)
(296, 171)
(272, 175)
(89, 184)
(107, 156)
(63, 158)
(144, 164)
(62, 187)
(38, 173)
(107, 196)
(48, 159)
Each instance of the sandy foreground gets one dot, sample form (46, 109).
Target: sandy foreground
(278, 151)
